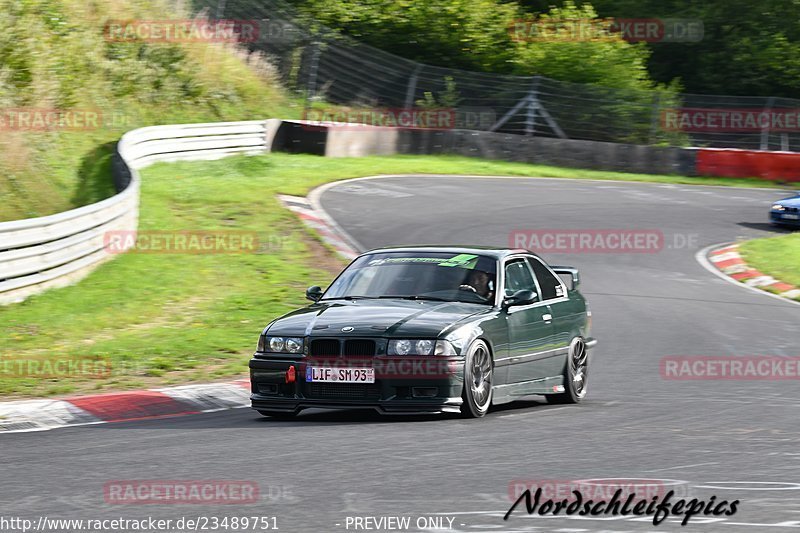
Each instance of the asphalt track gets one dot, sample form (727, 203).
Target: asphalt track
(732, 439)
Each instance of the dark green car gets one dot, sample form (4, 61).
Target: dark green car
(429, 329)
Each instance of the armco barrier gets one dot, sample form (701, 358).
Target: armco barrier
(51, 251)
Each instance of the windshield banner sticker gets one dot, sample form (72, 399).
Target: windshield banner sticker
(461, 260)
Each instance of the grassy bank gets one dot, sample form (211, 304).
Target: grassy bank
(55, 55)
(778, 257)
(172, 318)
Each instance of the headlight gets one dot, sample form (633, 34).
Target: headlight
(424, 347)
(262, 344)
(419, 347)
(778, 207)
(276, 344)
(294, 345)
(285, 344)
(399, 347)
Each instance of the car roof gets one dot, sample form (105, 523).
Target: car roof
(494, 252)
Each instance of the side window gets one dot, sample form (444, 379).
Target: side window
(550, 285)
(518, 277)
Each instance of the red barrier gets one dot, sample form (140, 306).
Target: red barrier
(733, 163)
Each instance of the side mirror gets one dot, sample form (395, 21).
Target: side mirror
(568, 273)
(314, 293)
(521, 297)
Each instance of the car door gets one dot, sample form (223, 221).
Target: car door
(529, 326)
(566, 318)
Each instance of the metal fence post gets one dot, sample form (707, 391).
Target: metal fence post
(412, 86)
(765, 129)
(220, 9)
(533, 104)
(654, 118)
(312, 72)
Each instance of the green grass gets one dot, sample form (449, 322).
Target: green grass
(778, 257)
(167, 319)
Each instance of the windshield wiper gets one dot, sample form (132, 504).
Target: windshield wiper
(349, 298)
(417, 297)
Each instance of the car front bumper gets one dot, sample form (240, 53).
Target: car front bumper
(777, 217)
(272, 390)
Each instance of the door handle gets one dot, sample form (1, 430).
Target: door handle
(547, 317)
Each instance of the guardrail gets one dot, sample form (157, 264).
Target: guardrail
(56, 250)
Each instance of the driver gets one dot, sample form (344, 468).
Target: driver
(480, 283)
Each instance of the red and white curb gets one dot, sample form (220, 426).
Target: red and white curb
(319, 221)
(728, 261)
(42, 415)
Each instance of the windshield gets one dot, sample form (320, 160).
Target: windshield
(418, 275)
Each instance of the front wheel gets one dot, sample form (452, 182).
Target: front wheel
(576, 371)
(478, 378)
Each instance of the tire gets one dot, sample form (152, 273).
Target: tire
(280, 415)
(478, 379)
(576, 371)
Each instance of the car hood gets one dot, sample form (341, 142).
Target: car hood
(373, 318)
(793, 201)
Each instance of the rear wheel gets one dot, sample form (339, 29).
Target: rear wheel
(478, 379)
(576, 371)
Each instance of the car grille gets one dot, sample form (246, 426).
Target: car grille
(359, 347)
(323, 347)
(333, 347)
(792, 209)
(342, 391)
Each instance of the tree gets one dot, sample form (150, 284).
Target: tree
(468, 34)
(748, 48)
(571, 43)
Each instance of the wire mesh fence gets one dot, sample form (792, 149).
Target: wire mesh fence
(329, 68)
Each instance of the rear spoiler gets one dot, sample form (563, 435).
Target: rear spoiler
(572, 272)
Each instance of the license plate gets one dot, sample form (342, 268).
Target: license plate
(323, 374)
(792, 217)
